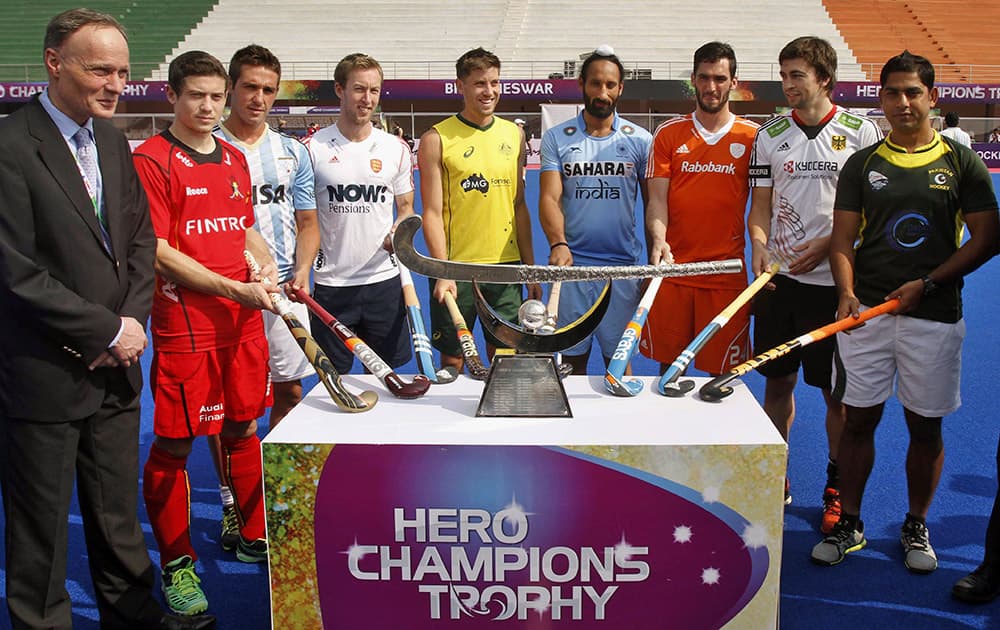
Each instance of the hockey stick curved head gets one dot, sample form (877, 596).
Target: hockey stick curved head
(716, 389)
(344, 399)
(401, 389)
(445, 375)
(676, 389)
(624, 388)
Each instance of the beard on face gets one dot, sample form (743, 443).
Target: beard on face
(599, 109)
(705, 107)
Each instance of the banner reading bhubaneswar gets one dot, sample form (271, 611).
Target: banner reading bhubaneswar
(412, 536)
(541, 90)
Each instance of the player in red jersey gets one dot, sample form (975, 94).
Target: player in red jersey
(209, 373)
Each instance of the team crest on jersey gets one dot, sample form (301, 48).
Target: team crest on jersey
(236, 190)
(628, 130)
(505, 148)
(940, 178)
(737, 150)
(376, 165)
(621, 148)
(877, 180)
(838, 143)
(569, 131)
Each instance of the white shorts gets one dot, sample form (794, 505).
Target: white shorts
(576, 298)
(923, 357)
(288, 361)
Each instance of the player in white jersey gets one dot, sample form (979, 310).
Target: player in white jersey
(285, 215)
(593, 171)
(794, 168)
(362, 173)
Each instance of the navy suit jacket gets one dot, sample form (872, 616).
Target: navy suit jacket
(61, 292)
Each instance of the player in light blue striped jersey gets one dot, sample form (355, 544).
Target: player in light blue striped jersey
(285, 208)
(593, 173)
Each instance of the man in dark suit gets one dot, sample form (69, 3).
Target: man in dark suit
(76, 285)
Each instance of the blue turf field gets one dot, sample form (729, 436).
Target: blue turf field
(870, 589)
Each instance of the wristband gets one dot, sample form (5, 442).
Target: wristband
(559, 244)
(929, 285)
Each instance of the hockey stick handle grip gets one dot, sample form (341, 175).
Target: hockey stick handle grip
(359, 348)
(679, 364)
(713, 389)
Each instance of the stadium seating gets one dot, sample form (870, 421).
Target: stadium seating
(416, 39)
(957, 38)
(534, 38)
(154, 28)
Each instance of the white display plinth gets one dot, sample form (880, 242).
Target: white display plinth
(382, 516)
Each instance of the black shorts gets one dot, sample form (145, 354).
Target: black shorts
(792, 309)
(373, 312)
(504, 298)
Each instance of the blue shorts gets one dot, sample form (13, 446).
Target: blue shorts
(576, 298)
(373, 312)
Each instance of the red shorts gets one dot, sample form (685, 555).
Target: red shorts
(194, 391)
(680, 312)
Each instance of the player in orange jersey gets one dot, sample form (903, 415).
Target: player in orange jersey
(698, 189)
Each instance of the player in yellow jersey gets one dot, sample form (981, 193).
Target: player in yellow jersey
(472, 189)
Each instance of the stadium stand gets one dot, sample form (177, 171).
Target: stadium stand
(154, 28)
(534, 38)
(957, 38)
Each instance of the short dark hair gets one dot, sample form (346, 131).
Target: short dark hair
(252, 55)
(194, 63)
(908, 62)
(475, 59)
(715, 51)
(352, 62)
(951, 119)
(816, 52)
(597, 56)
(68, 22)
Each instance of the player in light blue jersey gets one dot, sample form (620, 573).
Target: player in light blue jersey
(285, 211)
(593, 173)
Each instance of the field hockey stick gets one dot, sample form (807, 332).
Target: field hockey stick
(475, 365)
(668, 384)
(552, 324)
(396, 385)
(421, 343)
(344, 399)
(552, 310)
(614, 380)
(718, 388)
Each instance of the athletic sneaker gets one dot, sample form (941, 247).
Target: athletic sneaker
(251, 551)
(831, 510)
(920, 557)
(180, 587)
(230, 528)
(843, 539)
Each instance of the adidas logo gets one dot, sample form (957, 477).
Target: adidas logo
(683, 149)
(334, 160)
(784, 147)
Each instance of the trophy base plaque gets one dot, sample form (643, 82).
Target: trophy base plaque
(524, 386)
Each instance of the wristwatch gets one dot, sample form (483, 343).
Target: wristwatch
(929, 285)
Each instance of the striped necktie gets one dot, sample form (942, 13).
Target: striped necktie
(86, 156)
